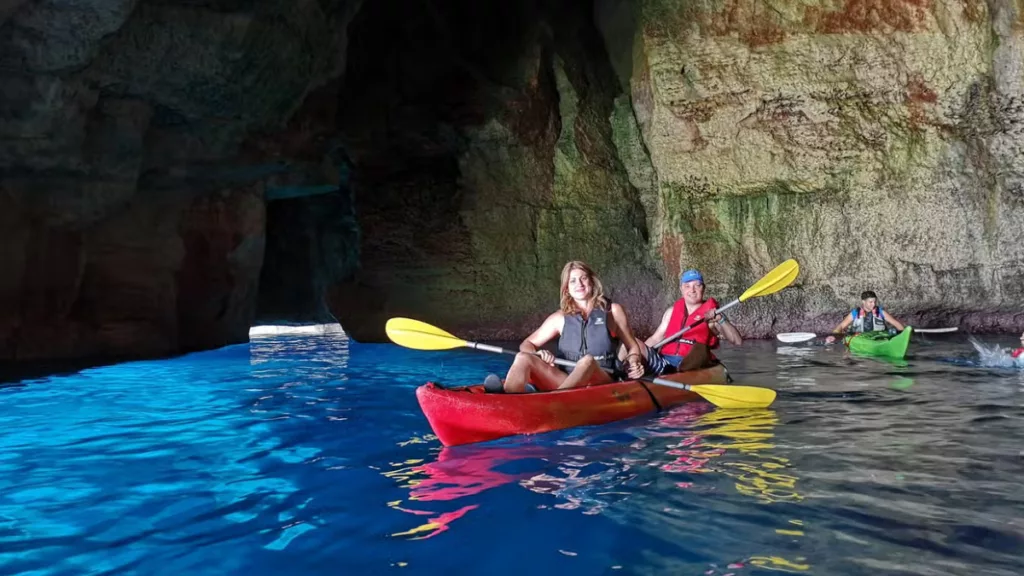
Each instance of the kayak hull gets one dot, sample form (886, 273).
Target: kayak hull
(467, 414)
(880, 344)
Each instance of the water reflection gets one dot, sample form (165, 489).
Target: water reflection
(897, 362)
(306, 456)
(740, 440)
(605, 466)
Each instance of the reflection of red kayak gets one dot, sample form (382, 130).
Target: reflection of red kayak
(467, 414)
(455, 476)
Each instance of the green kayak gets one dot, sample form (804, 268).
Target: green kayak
(880, 343)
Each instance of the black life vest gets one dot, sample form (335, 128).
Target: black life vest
(591, 336)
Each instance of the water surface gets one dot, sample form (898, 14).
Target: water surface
(307, 454)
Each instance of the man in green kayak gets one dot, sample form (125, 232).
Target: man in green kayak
(589, 329)
(869, 317)
(692, 350)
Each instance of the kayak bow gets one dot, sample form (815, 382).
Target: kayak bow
(880, 343)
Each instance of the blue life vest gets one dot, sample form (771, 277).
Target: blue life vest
(874, 322)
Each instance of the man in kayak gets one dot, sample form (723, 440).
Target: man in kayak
(1019, 351)
(589, 329)
(692, 350)
(870, 317)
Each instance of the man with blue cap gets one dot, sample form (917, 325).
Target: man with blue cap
(692, 350)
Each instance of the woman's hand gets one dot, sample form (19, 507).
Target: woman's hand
(636, 367)
(546, 356)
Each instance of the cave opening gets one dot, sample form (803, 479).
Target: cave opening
(312, 242)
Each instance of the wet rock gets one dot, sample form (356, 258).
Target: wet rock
(171, 171)
(874, 141)
(131, 186)
(485, 160)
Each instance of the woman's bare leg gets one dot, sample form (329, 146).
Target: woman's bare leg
(528, 368)
(586, 372)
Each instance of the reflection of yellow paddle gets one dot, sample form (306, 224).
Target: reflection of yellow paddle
(749, 431)
(780, 277)
(766, 476)
(422, 336)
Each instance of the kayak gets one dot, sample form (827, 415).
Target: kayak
(467, 414)
(880, 343)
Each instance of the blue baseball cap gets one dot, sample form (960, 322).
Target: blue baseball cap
(691, 275)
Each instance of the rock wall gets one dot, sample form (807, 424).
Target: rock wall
(876, 141)
(137, 141)
(171, 172)
(485, 160)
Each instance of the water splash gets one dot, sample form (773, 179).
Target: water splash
(995, 356)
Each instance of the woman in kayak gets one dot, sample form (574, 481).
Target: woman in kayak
(589, 329)
(868, 318)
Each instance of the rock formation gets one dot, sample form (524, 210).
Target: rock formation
(486, 159)
(135, 168)
(876, 141)
(171, 172)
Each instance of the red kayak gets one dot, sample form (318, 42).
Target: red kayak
(467, 414)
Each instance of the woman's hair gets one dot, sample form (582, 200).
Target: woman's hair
(597, 299)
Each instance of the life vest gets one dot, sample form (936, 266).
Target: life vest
(1017, 353)
(591, 336)
(874, 322)
(701, 333)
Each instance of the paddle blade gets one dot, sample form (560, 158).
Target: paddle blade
(936, 330)
(780, 277)
(730, 396)
(420, 335)
(792, 337)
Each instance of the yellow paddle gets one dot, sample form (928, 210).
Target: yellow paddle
(422, 336)
(780, 277)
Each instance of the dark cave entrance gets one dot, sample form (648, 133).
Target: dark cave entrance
(312, 242)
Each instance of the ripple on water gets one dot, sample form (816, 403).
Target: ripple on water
(308, 454)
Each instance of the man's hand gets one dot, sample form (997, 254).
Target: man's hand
(715, 317)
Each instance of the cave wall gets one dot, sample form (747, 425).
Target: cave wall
(173, 171)
(876, 141)
(485, 159)
(137, 142)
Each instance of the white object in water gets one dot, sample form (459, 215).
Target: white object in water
(791, 337)
(271, 329)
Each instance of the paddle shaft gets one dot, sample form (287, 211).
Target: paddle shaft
(570, 363)
(694, 325)
(794, 337)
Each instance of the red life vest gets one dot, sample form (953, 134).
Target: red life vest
(1018, 352)
(701, 333)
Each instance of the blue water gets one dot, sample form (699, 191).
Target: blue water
(308, 455)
